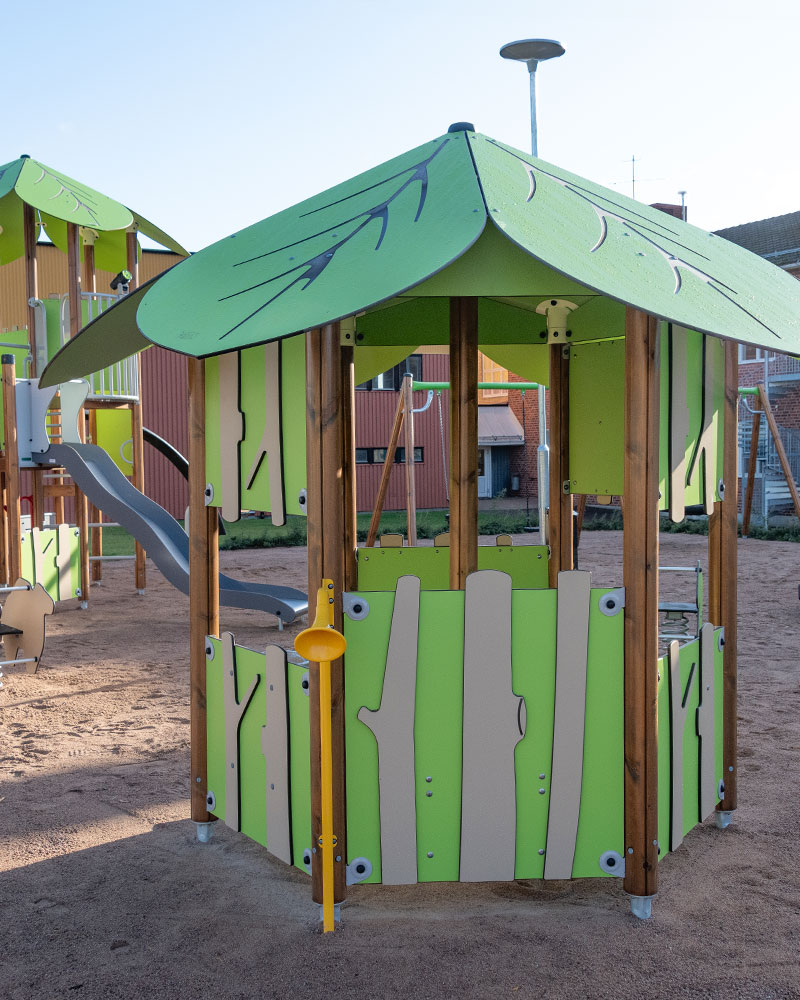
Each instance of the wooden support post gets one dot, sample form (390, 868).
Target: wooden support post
(463, 440)
(74, 277)
(386, 472)
(14, 559)
(751, 472)
(31, 279)
(766, 406)
(408, 441)
(728, 572)
(203, 587)
(132, 247)
(561, 527)
(640, 577)
(331, 547)
(95, 514)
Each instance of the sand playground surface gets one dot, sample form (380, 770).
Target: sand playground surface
(105, 892)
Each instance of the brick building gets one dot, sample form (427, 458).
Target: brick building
(777, 240)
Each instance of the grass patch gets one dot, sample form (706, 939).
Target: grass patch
(260, 533)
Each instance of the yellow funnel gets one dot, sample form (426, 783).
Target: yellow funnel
(321, 642)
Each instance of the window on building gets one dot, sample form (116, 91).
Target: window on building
(393, 379)
(377, 456)
(488, 371)
(749, 353)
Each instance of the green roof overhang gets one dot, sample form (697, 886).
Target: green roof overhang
(407, 229)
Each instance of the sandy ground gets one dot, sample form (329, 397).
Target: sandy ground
(106, 893)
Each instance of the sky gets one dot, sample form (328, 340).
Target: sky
(207, 117)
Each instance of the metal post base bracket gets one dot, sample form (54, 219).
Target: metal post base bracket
(337, 914)
(203, 831)
(642, 906)
(723, 818)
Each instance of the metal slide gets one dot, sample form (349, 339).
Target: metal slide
(158, 532)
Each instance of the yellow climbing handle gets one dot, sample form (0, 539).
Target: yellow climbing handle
(322, 643)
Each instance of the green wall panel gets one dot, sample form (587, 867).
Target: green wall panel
(252, 765)
(365, 665)
(48, 539)
(293, 421)
(601, 824)
(212, 435)
(597, 417)
(437, 734)
(533, 651)
(664, 758)
(690, 658)
(253, 405)
(299, 763)
(215, 729)
(380, 568)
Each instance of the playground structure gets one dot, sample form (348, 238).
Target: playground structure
(45, 432)
(494, 716)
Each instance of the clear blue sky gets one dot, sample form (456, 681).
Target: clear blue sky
(206, 117)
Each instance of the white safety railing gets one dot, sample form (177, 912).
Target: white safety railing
(118, 381)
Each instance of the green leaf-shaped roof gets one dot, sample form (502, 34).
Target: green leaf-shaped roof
(59, 200)
(384, 233)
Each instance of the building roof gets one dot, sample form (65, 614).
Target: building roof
(497, 425)
(776, 239)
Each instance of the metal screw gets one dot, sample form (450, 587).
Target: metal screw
(429, 794)
(730, 768)
(630, 850)
(430, 854)
(541, 850)
(541, 777)
(198, 780)
(233, 765)
(338, 857)
(272, 788)
(541, 791)
(429, 778)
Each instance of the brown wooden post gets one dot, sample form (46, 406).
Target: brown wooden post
(463, 440)
(386, 471)
(728, 546)
(12, 468)
(95, 514)
(75, 323)
(331, 548)
(560, 502)
(408, 442)
(31, 279)
(203, 587)
(640, 577)
(751, 471)
(132, 246)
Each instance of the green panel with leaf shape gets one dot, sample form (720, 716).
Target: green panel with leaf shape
(597, 417)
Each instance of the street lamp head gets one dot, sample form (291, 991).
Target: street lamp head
(532, 50)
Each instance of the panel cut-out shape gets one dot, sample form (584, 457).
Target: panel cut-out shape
(26, 610)
(491, 731)
(678, 423)
(707, 442)
(270, 445)
(442, 539)
(64, 562)
(705, 720)
(393, 727)
(234, 711)
(231, 433)
(572, 641)
(275, 747)
(679, 701)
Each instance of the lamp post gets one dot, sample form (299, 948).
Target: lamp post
(532, 51)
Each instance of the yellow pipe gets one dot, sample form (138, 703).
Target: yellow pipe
(321, 643)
